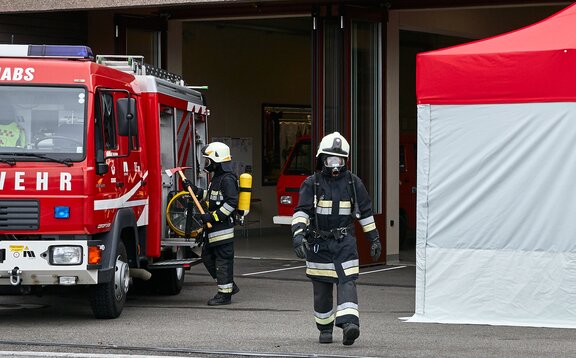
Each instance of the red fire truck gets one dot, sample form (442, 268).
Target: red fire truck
(84, 146)
(298, 166)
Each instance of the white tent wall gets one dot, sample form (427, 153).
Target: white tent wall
(496, 214)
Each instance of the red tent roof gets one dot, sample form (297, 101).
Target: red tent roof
(536, 63)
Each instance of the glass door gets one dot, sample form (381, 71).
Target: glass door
(347, 87)
(366, 106)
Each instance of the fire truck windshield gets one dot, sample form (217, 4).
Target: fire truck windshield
(39, 122)
(300, 162)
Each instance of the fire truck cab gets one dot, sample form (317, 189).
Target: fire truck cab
(297, 168)
(84, 145)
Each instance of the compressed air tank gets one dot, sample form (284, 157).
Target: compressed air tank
(245, 192)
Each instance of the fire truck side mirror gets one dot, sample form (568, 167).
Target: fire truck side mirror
(127, 117)
(101, 168)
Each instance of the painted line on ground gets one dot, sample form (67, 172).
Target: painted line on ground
(386, 269)
(298, 267)
(24, 354)
(268, 271)
(266, 258)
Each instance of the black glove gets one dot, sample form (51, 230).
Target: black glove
(188, 184)
(298, 243)
(375, 249)
(206, 218)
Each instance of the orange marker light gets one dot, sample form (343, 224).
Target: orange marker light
(94, 255)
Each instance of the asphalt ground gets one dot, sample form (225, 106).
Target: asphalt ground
(272, 316)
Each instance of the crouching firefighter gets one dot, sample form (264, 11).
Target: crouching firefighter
(222, 199)
(323, 233)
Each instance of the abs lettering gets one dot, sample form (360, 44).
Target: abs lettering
(29, 74)
(18, 71)
(6, 74)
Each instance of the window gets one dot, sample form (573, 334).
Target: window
(282, 126)
(109, 121)
(300, 162)
(42, 120)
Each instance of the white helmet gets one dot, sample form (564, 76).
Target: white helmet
(218, 152)
(334, 144)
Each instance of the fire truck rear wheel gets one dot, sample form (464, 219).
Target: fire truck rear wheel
(170, 281)
(108, 299)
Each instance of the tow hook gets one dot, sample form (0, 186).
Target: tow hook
(15, 278)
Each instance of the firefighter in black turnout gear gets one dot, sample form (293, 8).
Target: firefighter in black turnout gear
(222, 200)
(323, 233)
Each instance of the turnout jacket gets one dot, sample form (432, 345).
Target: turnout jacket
(334, 206)
(222, 199)
(326, 219)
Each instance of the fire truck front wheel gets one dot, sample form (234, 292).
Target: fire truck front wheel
(108, 299)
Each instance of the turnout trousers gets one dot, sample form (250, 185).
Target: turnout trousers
(334, 262)
(219, 261)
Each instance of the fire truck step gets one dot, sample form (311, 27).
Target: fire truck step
(179, 242)
(185, 263)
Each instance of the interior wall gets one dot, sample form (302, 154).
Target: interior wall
(245, 67)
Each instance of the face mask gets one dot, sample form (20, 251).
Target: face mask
(333, 162)
(209, 165)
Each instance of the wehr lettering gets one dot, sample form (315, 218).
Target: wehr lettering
(39, 181)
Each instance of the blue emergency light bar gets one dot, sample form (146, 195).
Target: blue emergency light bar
(54, 51)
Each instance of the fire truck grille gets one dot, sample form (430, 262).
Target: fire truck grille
(19, 214)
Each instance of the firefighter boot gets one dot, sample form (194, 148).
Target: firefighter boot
(220, 299)
(235, 289)
(350, 332)
(325, 337)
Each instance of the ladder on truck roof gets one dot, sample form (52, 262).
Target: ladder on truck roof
(135, 65)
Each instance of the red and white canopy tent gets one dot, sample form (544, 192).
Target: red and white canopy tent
(496, 233)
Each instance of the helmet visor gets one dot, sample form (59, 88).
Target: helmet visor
(333, 162)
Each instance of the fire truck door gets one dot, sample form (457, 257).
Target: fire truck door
(133, 169)
(106, 149)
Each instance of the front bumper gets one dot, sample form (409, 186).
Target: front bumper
(282, 220)
(30, 262)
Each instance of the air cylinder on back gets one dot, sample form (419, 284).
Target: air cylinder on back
(245, 192)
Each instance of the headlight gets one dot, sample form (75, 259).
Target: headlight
(286, 199)
(65, 255)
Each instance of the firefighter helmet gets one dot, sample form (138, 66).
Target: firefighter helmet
(332, 154)
(334, 144)
(217, 152)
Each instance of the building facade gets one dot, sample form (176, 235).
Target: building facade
(313, 66)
